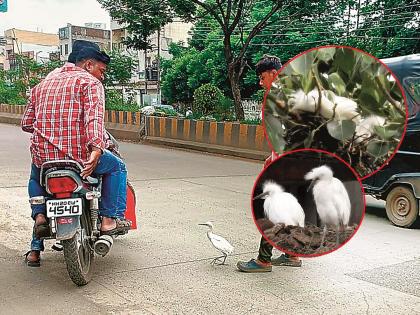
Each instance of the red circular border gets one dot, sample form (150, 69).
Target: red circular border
(361, 51)
(310, 150)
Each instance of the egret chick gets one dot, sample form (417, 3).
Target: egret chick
(220, 243)
(366, 127)
(331, 198)
(341, 108)
(281, 206)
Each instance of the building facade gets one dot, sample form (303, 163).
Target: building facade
(146, 78)
(93, 32)
(2, 51)
(36, 45)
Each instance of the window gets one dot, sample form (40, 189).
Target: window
(61, 50)
(412, 86)
(66, 49)
(63, 33)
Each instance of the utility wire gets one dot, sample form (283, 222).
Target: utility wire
(309, 23)
(310, 33)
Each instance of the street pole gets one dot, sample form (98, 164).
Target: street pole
(158, 68)
(145, 71)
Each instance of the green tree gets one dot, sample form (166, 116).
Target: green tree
(191, 68)
(119, 71)
(141, 20)
(385, 28)
(14, 84)
(206, 98)
(238, 27)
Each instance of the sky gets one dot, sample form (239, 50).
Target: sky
(49, 15)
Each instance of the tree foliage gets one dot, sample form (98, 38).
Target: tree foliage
(191, 68)
(120, 70)
(384, 28)
(206, 98)
(15, 83)
(140, 18)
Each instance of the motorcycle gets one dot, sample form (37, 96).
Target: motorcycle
(72, 207)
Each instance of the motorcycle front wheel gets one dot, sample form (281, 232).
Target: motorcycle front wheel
(78, 254)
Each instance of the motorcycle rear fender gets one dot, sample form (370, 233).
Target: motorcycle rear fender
(66, 227)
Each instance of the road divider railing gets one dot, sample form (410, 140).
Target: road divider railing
(230, 138)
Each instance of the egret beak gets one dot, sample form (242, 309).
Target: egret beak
(202, 224)
(311, 185)
(261, 196)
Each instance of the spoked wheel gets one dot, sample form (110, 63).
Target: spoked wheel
(402, 206)
(78, 254)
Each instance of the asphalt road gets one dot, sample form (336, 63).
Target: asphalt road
(164, 266)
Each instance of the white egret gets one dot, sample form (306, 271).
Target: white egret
(219, 243)
(331, 198)
(367, 126)
(281, 206)
(341, 108)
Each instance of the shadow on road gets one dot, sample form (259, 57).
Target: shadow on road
(378, 212)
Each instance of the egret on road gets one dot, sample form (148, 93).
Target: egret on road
(331, 198)
(281, 206)
(220, 243)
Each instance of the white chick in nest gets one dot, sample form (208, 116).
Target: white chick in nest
(345, 109)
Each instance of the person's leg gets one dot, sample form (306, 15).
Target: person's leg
(262, 263)
(114, 188)
(35, 189)
(37, 244)
(38, 214)
(287, 260)
(265, 252)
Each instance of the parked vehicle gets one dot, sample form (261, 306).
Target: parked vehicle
(398, 183)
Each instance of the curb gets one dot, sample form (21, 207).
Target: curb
(13, 119)
(132, 133)
(210, 148)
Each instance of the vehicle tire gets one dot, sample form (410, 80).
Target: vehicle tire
(402, 206)
(79, 255)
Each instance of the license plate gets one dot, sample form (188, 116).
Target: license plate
(64, 207)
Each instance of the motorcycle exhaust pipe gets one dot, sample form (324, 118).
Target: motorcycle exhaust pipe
(103, 245)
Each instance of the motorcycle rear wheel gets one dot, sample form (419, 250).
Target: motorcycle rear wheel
(79, 255)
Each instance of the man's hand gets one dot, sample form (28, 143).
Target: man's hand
(91, 163)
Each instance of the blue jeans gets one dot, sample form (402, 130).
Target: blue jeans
(114, 185)
(114, 190)
(35, 189)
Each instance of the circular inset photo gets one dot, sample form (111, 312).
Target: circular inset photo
(338, 99)
(308, 202)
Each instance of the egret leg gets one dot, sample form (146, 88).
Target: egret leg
(338, 235)
(224, 259)
(323, 238)
(213, 262)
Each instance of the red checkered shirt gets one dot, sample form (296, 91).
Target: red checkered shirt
(65, 114)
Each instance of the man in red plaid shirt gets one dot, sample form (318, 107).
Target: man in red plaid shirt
(65, 115)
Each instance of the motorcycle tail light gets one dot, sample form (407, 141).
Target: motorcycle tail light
(60, 185)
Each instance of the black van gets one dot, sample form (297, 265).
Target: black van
(399, 181)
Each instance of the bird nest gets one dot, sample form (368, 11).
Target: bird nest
(306, 240)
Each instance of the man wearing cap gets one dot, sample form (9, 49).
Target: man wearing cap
(266, 70)
(65, 115)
